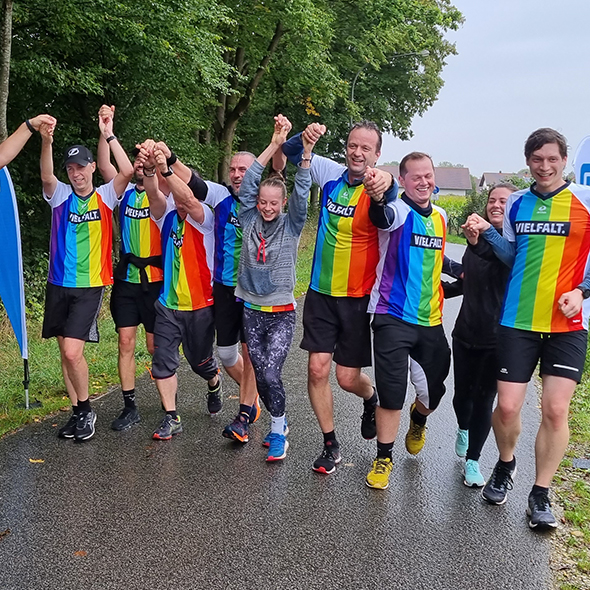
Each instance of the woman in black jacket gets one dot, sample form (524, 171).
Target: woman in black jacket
(474, 339)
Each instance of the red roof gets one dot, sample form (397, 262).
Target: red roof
(446, 178)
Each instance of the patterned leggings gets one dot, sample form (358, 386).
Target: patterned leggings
(269, 336)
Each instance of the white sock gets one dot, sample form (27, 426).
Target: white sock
(278, 424)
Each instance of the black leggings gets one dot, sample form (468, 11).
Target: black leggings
(475, 391)
(269, 336)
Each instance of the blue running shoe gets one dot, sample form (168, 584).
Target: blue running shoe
(473, 476)
(237, 430)
(461, 442)
(266, 441)
(278, 446)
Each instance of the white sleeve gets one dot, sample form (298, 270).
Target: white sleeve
(60, 194)
(215, 193)
(108, 195)
(507, 229)
(323, 170)
(170, 206)
(208, 223)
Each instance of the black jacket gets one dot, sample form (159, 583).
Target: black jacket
(483, 286)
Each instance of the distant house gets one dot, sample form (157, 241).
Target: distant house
(450, 181)
(489, 179)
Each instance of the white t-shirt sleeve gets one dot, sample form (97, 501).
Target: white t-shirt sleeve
(215, 193)
(323, 170)
(208, 223)
(108, 195)
(507, 229)
(60, 194)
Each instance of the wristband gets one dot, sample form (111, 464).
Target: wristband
(306, 159)
(31, 128)
(172, 159)
(109, 139)
(152, 170)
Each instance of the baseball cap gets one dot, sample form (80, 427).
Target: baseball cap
(78, 154)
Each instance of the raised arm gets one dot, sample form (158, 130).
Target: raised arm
(47, 176)
(121, 180)
(10, 148)
(183, 196)
(155, 196)
(181, 170)
(103, 153)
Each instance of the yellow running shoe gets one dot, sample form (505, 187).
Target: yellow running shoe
(416, 436)
(378, 477)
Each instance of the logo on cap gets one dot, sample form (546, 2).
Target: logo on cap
(73, 152)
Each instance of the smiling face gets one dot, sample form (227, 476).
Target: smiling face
(418, 181)
(361, 151)
(81, 177)
(547, 166)
(270, 202)
(496, 205)
(237, 168)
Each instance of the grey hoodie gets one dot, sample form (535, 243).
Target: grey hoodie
(266, 273)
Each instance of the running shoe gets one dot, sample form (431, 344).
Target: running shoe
(461, 442)
(330, 457)
(473, 476)
(378, 477)
(128, 417)
(85, 426)
(266, 441)
(539, 512)
(168, 428)
(255, 411)
(368, 427)
(499, 484)
(277, 449)
(214, 398)
(238, 429)
(69, 428)
(416, 436)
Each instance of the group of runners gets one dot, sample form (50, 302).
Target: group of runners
(199, 258)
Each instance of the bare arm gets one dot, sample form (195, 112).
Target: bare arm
(183, 196)
(48, 179)
(121, 180)
(103, 153)
(10, 148)
(182, 171)
(155, 196)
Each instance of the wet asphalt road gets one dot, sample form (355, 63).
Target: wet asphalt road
(199, 512)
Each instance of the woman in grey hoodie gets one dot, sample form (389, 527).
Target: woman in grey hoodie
(266, 275)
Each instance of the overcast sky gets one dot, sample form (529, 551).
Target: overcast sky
(521, 65)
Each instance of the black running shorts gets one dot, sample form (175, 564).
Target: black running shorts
(131, 305)
(338, 325)
(426, 347)
(72, 312)
(194, 330)
(561, 353)
(228, 315)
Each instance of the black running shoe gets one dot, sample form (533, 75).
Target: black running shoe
(214, 398)
(85, 426)
(128, 417)
(68, 430)
(330, 457)
(499, 484)
(539, 512)
(368, 427)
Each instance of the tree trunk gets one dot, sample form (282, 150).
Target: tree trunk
(5, 48)
(227, 142)
(315, 197)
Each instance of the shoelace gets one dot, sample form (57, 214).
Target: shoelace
(381, 466)
(542, 503)
(261, 248)
(502, 477)
(417, 430)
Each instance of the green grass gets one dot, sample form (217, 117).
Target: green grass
(46, 381)
(305, 254)
(453, 239)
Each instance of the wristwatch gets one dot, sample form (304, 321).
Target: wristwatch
(168, 172)
(585, 292)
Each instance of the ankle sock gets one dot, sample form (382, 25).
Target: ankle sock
(329, 436)
(278, 424)
(84, 406)
(508, 464)
(372, 401)
(539, 491)
(75, 410)
(129, 398)
(418, 418)
(173, 414)
(244, 411)
(384, 450)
